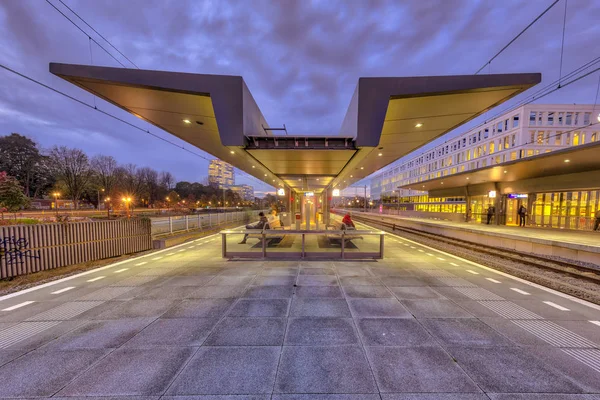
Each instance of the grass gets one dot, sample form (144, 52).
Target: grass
(19, 221)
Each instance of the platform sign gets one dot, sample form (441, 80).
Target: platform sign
(336, 192)
(492, 194)
(518, 196)
(281, 192)
(309, 194)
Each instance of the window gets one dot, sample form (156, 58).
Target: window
(486, 133)
(540, 115)
(568, 139)
(531, 136)
(576, 138)
(560, 118)
(586, 118)
(499, 127)
(532, 118)
(513, 155)
(576, 122)
(594, 136)
(558, 138)
(505, 124)
(529, 153)
(550, 118)
(506, 146)
(514, 140)
(540, 137)
(569, 118)
(492, 148)
(515, 121)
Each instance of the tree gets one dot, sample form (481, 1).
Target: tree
(105, 172)
(12, 197)
(167, 179)
(20, 159)
(73, 169)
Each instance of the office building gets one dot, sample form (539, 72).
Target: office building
(221, 174)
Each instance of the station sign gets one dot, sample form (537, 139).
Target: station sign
(309, 194)
(517, 196)
(281, 192)
(492, 194)
(336, 192)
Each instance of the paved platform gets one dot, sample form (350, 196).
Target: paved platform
(185, 324)
(575, 245)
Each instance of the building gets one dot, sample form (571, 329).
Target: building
(513, 137)
(221, 174)
(246, 192)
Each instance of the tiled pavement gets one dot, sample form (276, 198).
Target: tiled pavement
(189, 325)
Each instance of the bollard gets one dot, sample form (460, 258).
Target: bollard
(170, 224)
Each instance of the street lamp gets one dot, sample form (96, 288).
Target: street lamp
(56, 194)
(107, 201)
(100, 189)
(127, 200)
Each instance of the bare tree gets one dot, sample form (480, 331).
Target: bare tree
(73, 169)
(167, 179)
(131, 180)
(105, 171)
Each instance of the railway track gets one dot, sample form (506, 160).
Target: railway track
(562, 267)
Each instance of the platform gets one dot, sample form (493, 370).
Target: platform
(569, 244)
(185, 323)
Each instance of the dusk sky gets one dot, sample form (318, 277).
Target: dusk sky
(300, 59)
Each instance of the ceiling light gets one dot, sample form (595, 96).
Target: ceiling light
(442, 183)
(467, 178)
(598, 117)
(505, 171)
(418, 125)
(351, 176)
(380, 154)
(232, 152)
(187, 121)
(265, 174)
(253, 166)
(567, 160)
(362, 167)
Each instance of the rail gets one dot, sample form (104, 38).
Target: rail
(175, 224)
(312, 244)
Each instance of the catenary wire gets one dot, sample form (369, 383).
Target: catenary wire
(98, 33)
(516, 37)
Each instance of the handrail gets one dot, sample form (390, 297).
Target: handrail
(300, 231)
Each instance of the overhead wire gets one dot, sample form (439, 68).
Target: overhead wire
(516, 37)
(98, 33)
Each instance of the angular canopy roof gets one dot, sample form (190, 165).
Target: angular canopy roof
(218, 114)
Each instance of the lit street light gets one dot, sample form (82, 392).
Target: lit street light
(56, 194)
(127, 201)
(107, 201)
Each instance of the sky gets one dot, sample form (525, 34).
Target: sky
(300, 59)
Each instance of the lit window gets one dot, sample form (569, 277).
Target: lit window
(492, 148)
(568, 139)
(558, 138)
(576, 138)
(513, 155)
(540, 137)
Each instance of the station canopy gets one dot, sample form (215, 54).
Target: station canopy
(387, 118)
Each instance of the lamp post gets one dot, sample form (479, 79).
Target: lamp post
(55, 195)
(127, 200)
(107, 201)
(98, 190)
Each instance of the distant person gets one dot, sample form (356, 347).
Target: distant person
(490, 213)
(522, 213)
(347, 220)
(272, 215)
(259, 225)
(597, 221)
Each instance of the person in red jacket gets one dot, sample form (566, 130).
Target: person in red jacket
(347, 220)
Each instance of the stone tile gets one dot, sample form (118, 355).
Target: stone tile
(174, 332)
(418, 370)
(404, 281)
(359, 280)
(283, 271)
(316, 331)
(99, 334)
(339, 369)
(165, 292)
(203, 308)
(319, 291)
(393, 332)
(215, 397)
(270, 292)
(260, 308)
(275, 281)
(7, 356)
(31, 342)
(130, 372)
(468, 332)
(349, 271)
(316, 271)
(511, 370)
(308, 307)
(195, 271)
(435, 396)
(137, 309)
(367, 291)
(194, 281)
(230, 281)
(240, 271)
(317, 280)
(436, 308)
(218, 292)
(228, 370)
(248, 332)
(387, 272)
(53, 370)
(415, 293)
(378, 308)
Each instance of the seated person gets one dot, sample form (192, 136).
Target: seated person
(347, 220)
(259, 225)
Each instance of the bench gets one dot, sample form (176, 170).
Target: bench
(269, 237)
(337, 237)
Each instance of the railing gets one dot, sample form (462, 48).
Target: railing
(174, 224)
(302, 244)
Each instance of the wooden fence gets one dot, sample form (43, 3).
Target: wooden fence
(31, 248)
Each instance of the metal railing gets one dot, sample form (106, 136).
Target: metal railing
(309, 245)
(174, 224)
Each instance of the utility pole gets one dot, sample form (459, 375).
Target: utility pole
(365, 207)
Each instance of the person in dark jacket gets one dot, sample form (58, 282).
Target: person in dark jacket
(259, 225)
(522, 214)
(490, 213)
(597, 221)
